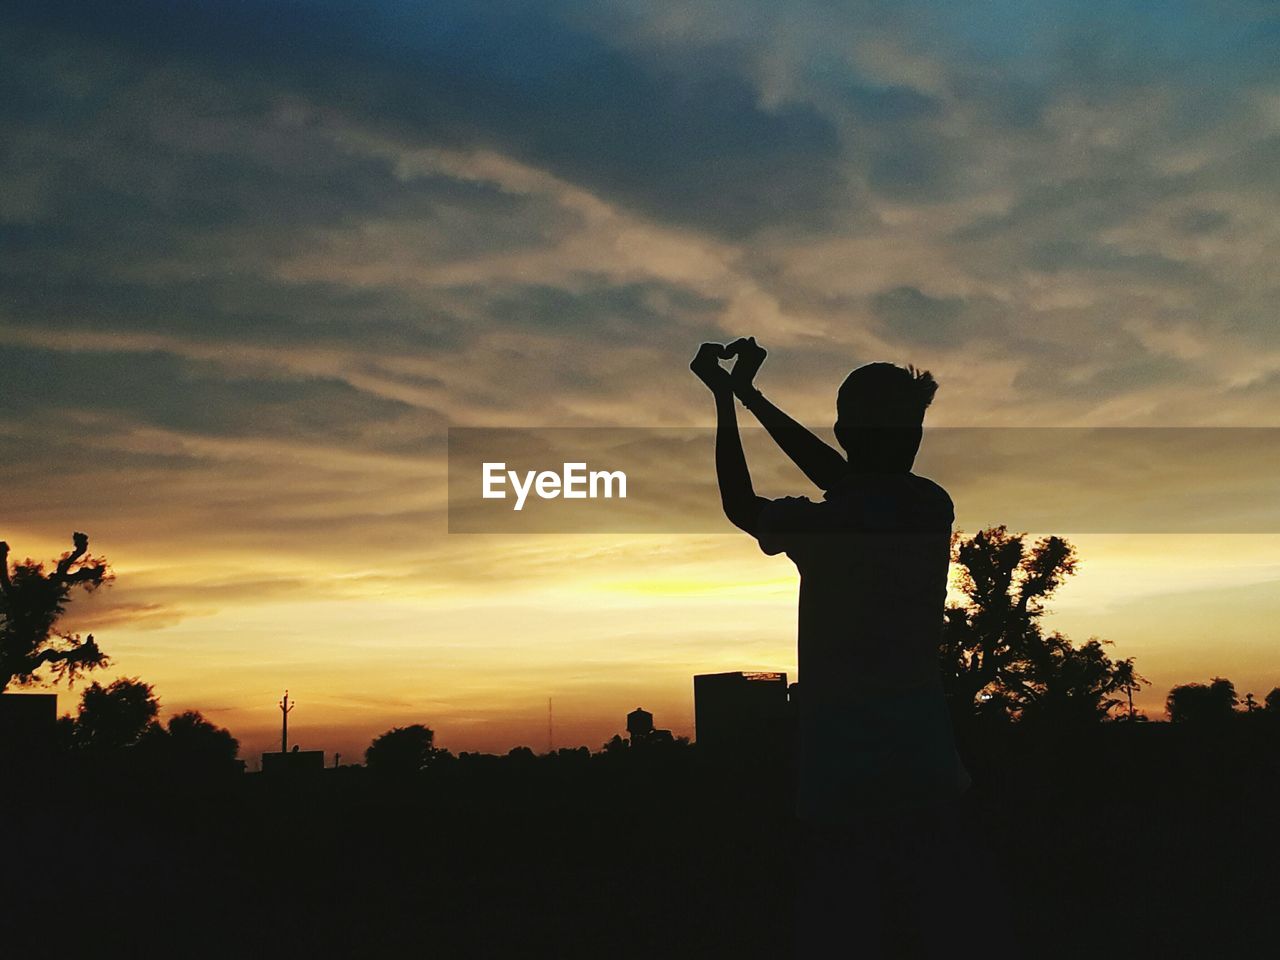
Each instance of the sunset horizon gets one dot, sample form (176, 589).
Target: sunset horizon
(487, 371)
(248, 316)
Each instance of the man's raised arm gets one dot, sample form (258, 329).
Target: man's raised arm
(818, 460)
(737, 495)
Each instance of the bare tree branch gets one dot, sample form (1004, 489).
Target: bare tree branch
(81, 543)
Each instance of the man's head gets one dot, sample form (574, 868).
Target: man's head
(880, 415)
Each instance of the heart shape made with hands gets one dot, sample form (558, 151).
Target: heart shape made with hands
(746, 356)
(734, 351)
(727, 353)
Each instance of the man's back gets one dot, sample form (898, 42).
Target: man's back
(873, 560)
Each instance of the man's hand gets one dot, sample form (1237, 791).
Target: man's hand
(706, 364)
(750, 356)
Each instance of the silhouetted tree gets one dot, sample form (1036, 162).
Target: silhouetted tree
(1127, 681)
(114, 716)
(1250, 703)
(32, 602)
(986, 638)
(995, 657)
(193, 742)
(1063, 683)
(402, 750)
(1272, 700)
(615, 744)
(1202, 704)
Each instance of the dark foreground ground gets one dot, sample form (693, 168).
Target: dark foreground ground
(1122, 840)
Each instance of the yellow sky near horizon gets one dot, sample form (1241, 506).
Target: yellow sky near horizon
(613, 624)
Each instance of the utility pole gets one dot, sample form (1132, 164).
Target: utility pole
(285, 709)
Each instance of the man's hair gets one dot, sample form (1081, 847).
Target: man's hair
(885, 395)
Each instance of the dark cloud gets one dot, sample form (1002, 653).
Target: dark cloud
(918, 317)
(239, 308)
(164, 391)
(1082, 254)
(1248, 166)
(910, 316)
(169, 164)
(692, 146)
(154, 216)
(1077, 207)
(616, 313)
(1125, 367)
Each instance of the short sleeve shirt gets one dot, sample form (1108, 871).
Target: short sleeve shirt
(873, 559)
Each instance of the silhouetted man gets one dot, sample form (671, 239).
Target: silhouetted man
(879, 776)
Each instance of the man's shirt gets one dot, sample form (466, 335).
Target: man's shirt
(873, 559)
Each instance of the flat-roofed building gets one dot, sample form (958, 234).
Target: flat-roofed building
(294, 762)
(740, 711)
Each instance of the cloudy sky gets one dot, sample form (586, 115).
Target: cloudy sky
(255, 259)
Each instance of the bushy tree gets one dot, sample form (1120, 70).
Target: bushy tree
(188, 746)
(192, 741)
(31, 604)
(1199, 703)
(117, 715)
(1064, 683)
(402, 750)
(995, 656)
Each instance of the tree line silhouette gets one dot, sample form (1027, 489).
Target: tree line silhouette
(999, 663)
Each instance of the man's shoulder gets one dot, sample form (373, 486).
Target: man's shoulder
(928, 489)
(933, 503)
(893, 501)
(889, 484)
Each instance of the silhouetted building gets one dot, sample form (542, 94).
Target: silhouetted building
(740, 711)
(639, 723)
(640, 728)
(295, 761)
(28, 723)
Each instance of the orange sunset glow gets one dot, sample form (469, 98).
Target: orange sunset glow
(248, 289)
